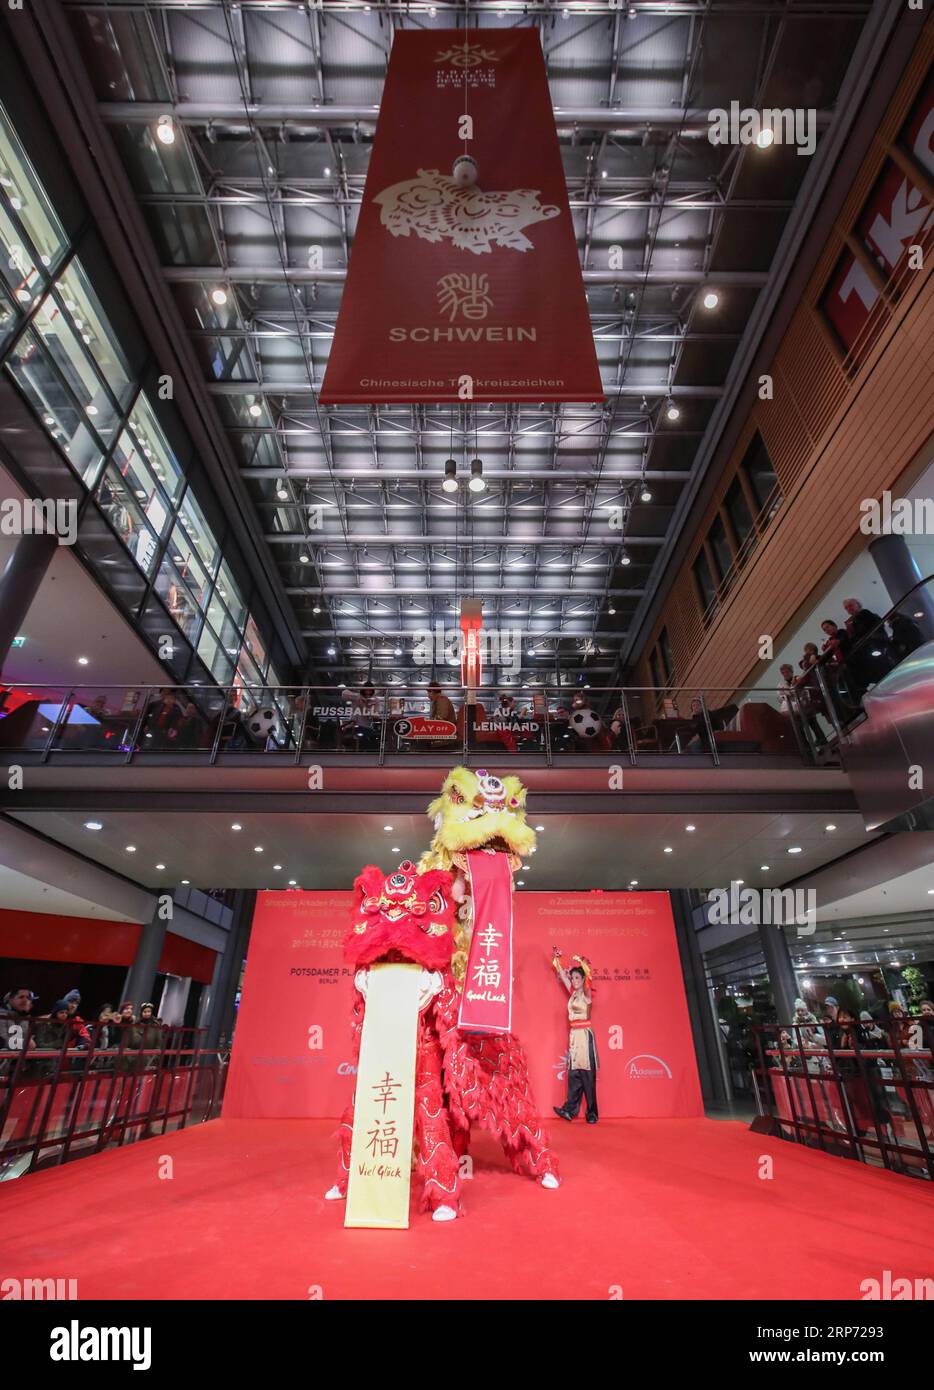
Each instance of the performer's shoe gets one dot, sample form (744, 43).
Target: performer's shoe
(591, 1119)
(561, 1112)
(550, 1180)
(443, 1213)
(334, 1194)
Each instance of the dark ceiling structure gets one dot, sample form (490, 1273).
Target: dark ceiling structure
(245, 130)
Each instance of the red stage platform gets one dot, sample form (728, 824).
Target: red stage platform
(657, 1208)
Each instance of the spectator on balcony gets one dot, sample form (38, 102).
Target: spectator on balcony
(366, 713)
(186, 732)
(15, 1015)
(868, 660)
(787, 690)
(52, 1033)
(146, 1036)
(81, 1034)
(837, 643)
(810, 699)
(906, 636)
(162, 716)
(441, 707)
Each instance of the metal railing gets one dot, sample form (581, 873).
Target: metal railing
(547, 723)
(64, 1102)
(863, 1091)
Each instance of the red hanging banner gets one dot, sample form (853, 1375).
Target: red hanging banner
(486, 1003)
(464, 282)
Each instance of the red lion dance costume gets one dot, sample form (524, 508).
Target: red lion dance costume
(461, 1077)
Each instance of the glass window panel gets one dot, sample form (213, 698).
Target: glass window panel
(720, 546)
(182, 609)
(189, 566)
(43, 388)
(67, 352)
(140, 478)
(247, 673)
(223, 624)
(199, 532)
(229, 591)
(8, 318)
(762, 477)
(215, 656)
(17, 263)
(254, 645)
(116, 500)
(705, 585)
(738, 511)
(84, 309)
(155, 446)
(26, 195)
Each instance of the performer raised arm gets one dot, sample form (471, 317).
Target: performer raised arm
(582, 1046)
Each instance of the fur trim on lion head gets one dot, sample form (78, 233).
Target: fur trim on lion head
(478, 810)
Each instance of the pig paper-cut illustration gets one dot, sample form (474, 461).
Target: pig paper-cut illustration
(433, 206)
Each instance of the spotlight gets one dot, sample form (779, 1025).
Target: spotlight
(317, 608)
(82, 661)
(93, 825)
(282, 493)
(645, 495)
(671, 410)
(450, 476)
(304, 558)
(611, 611)
(219, 295)
(165, 130)
(327, 171)
(256, 410)
(624, 559)
(476, 483)
(711, 299)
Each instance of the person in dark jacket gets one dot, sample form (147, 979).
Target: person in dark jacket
(906, 636)
(147, 1034)
(868, 660)
(81, 1033)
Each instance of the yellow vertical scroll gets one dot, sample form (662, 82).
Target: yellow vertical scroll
(384, 1104)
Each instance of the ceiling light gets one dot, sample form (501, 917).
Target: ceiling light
(236, 825)
(332, 651)
(82, 661)
(765, 138)
(689, 828)
(186, 880)
(476, 483)
(397, 651)
(794, 849)
(671, 410)
(304, 558)
(327, 171)
(633, 882)
(160, 866)
(165, 130)
(292, 882)
(611, 610)
(219, 295)
(282, 493)
(645, 495)
(624, 558)
(764, 868)
(387, 827)
(668, 849)
(711, 299)
(131, 849)
(394, 849)
(317, 608)
(830, 827)
(277, 866)
(450, 476)
(256, 410)
(257, 849)
(539, 827)
(520, 883)
(93, 825)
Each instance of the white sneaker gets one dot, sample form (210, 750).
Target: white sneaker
(333, 1194)
(549, 1180)
(443, 1214)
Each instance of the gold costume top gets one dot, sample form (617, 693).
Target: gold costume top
(578, 1044)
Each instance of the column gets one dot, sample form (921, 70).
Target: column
(19, 582)
(220, 1019)
(141, 980)
(778, 963)
(707, 1046)
(899, 572)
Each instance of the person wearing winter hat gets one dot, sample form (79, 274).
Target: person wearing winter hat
(81, 1033)
(15, 1013)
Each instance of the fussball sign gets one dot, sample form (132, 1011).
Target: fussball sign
(464, 280)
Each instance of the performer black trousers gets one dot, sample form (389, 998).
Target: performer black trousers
(583, 1084)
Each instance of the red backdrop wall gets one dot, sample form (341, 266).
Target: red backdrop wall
(96, 941)
(291, 1054)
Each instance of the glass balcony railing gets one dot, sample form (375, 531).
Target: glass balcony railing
(550, 724)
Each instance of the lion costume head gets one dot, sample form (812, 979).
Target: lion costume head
(478, 810)
(405, 914)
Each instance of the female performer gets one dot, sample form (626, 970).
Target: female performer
(582, 1047)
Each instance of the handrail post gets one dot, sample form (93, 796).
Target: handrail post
(627, 722)
(300, 741)
(829, 703)
(547, 730)
(220, 726)
(382, 731)
(57, 723)
(138, 725)
(714, 751)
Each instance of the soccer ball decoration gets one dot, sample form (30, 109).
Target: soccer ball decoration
(464, 172)
(586, 724)
(261, 723)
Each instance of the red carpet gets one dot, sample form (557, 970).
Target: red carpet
(658, 1208)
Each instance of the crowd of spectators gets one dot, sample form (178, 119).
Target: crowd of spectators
(110, 1034)
(855, 655)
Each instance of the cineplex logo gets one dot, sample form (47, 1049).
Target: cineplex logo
(77, 1343)
(773, 126)
(769, 907)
